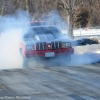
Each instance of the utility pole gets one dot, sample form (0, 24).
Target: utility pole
(70, 19)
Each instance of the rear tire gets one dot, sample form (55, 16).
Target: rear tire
(67, 59)
(24, 60)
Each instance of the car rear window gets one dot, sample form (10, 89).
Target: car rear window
(42, 30)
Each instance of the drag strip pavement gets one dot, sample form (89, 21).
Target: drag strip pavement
(52, 83)
(79, 80)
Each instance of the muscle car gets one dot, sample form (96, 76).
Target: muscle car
(44, 41)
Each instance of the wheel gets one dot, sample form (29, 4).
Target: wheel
(24, 60)
(67, 59)
(63, 60)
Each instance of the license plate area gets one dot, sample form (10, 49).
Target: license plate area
(49, 54)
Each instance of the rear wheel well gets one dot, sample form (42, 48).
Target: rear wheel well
(21, 53)
(24, 59)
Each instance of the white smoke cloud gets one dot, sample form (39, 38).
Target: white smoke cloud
(54, 18)
(87, 54)
(11, 31)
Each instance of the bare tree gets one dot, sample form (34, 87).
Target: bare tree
(3, 8)
(27, 5)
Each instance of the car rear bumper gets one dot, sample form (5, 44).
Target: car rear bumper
(41, 53)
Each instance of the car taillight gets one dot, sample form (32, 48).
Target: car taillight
(66, 44)
(30, 47)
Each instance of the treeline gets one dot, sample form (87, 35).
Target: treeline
(85, 13)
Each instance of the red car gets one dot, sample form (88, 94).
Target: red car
(44, 41)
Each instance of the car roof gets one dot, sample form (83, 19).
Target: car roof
(42, 26)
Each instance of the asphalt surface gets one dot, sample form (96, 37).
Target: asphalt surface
(51, 83)
(52, 79)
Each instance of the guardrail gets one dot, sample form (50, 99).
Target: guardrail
(84, 32)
